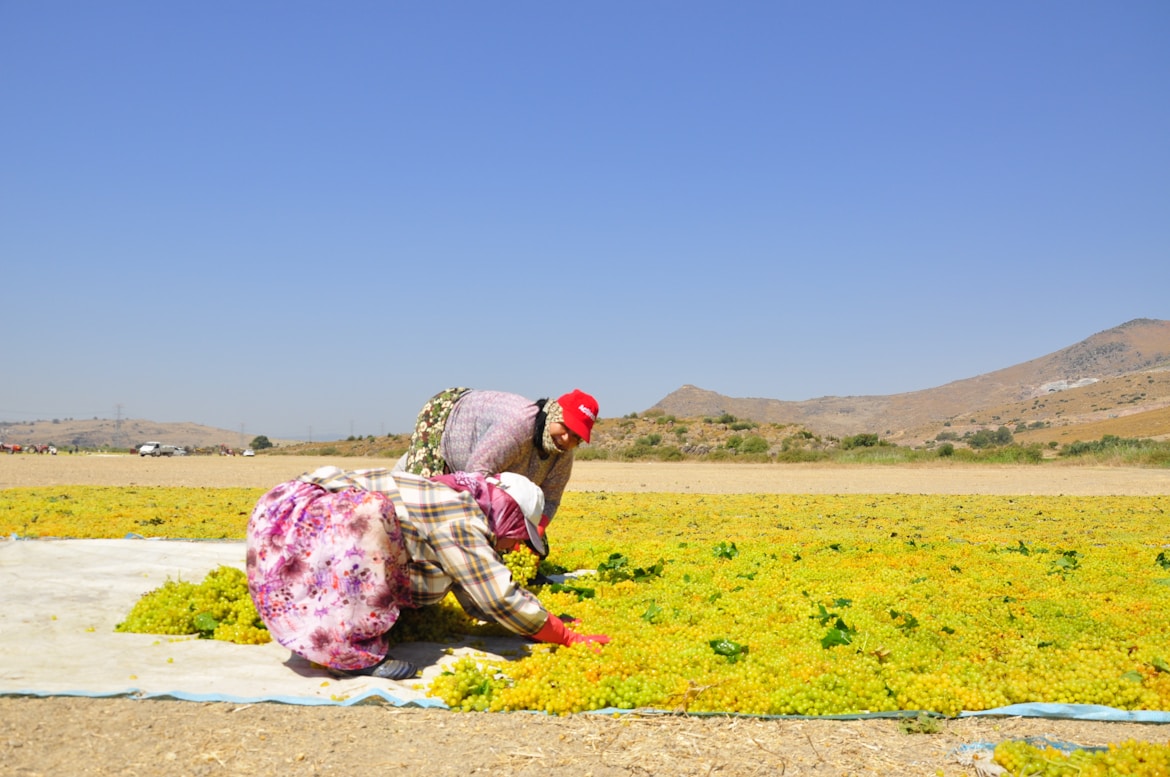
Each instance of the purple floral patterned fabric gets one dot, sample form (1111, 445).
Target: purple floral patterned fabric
(328, 571)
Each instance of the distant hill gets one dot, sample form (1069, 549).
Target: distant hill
(1124, 371)
(92, 433)
(1114, 382)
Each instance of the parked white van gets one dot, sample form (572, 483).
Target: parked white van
(157, 449)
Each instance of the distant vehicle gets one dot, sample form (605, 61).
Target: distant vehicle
(158, 449)
(249, 452)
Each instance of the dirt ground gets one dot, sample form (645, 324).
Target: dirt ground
(119, 736)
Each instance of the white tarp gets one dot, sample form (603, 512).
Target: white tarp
(63, 598)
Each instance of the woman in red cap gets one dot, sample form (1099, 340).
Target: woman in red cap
(467, 430)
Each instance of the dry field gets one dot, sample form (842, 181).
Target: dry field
(941, 477)
(78, 736)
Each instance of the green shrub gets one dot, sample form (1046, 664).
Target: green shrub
(1128, 451)
(881, 454)
(637, 451)
(1108, 443)
(801, 455)
(985, 438)
(754, 444)
(860, 441)
(591, 453)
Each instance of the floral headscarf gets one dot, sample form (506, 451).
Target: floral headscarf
(553, 415)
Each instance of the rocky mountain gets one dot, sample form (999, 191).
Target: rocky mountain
(1138, 350)
(1114, 382)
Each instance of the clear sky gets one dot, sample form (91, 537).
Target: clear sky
(302, 219)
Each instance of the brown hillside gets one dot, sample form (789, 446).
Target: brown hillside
(94, 433)
(1139, 348)
(1153, 424)
(1111, 383)
(1134, 405)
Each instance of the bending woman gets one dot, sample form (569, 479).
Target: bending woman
(462, 429)
(333, 556)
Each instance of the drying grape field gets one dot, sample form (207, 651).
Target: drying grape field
(852, 516)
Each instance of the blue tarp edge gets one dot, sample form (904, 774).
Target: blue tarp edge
(1037, 710)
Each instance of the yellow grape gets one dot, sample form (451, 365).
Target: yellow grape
(1138, 759)
(523, 564)
(176, 607)
(947, 602)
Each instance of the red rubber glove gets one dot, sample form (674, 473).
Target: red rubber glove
(555, 631)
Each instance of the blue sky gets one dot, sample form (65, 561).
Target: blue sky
(303, 219)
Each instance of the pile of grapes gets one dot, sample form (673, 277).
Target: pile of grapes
(217, 608)
(220, 608)
(830, 605)
(780, 604)
(113, 512)
(1138, 759)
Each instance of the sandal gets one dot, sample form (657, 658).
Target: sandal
(389, 669)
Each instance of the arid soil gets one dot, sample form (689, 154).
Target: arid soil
(942, 477)
(118, 736)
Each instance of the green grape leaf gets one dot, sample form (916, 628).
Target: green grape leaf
(614, 569)
(732, 651)
(824, 616)
(652, 612)
(206, 623)
(725, 550)
(642, 575)
(580, 591)
(840, 634)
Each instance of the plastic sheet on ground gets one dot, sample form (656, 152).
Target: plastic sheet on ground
(63, 598)
(981, 755)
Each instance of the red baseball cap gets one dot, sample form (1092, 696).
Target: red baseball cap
(580, 411)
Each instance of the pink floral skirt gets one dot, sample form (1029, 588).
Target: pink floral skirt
(328, 572)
